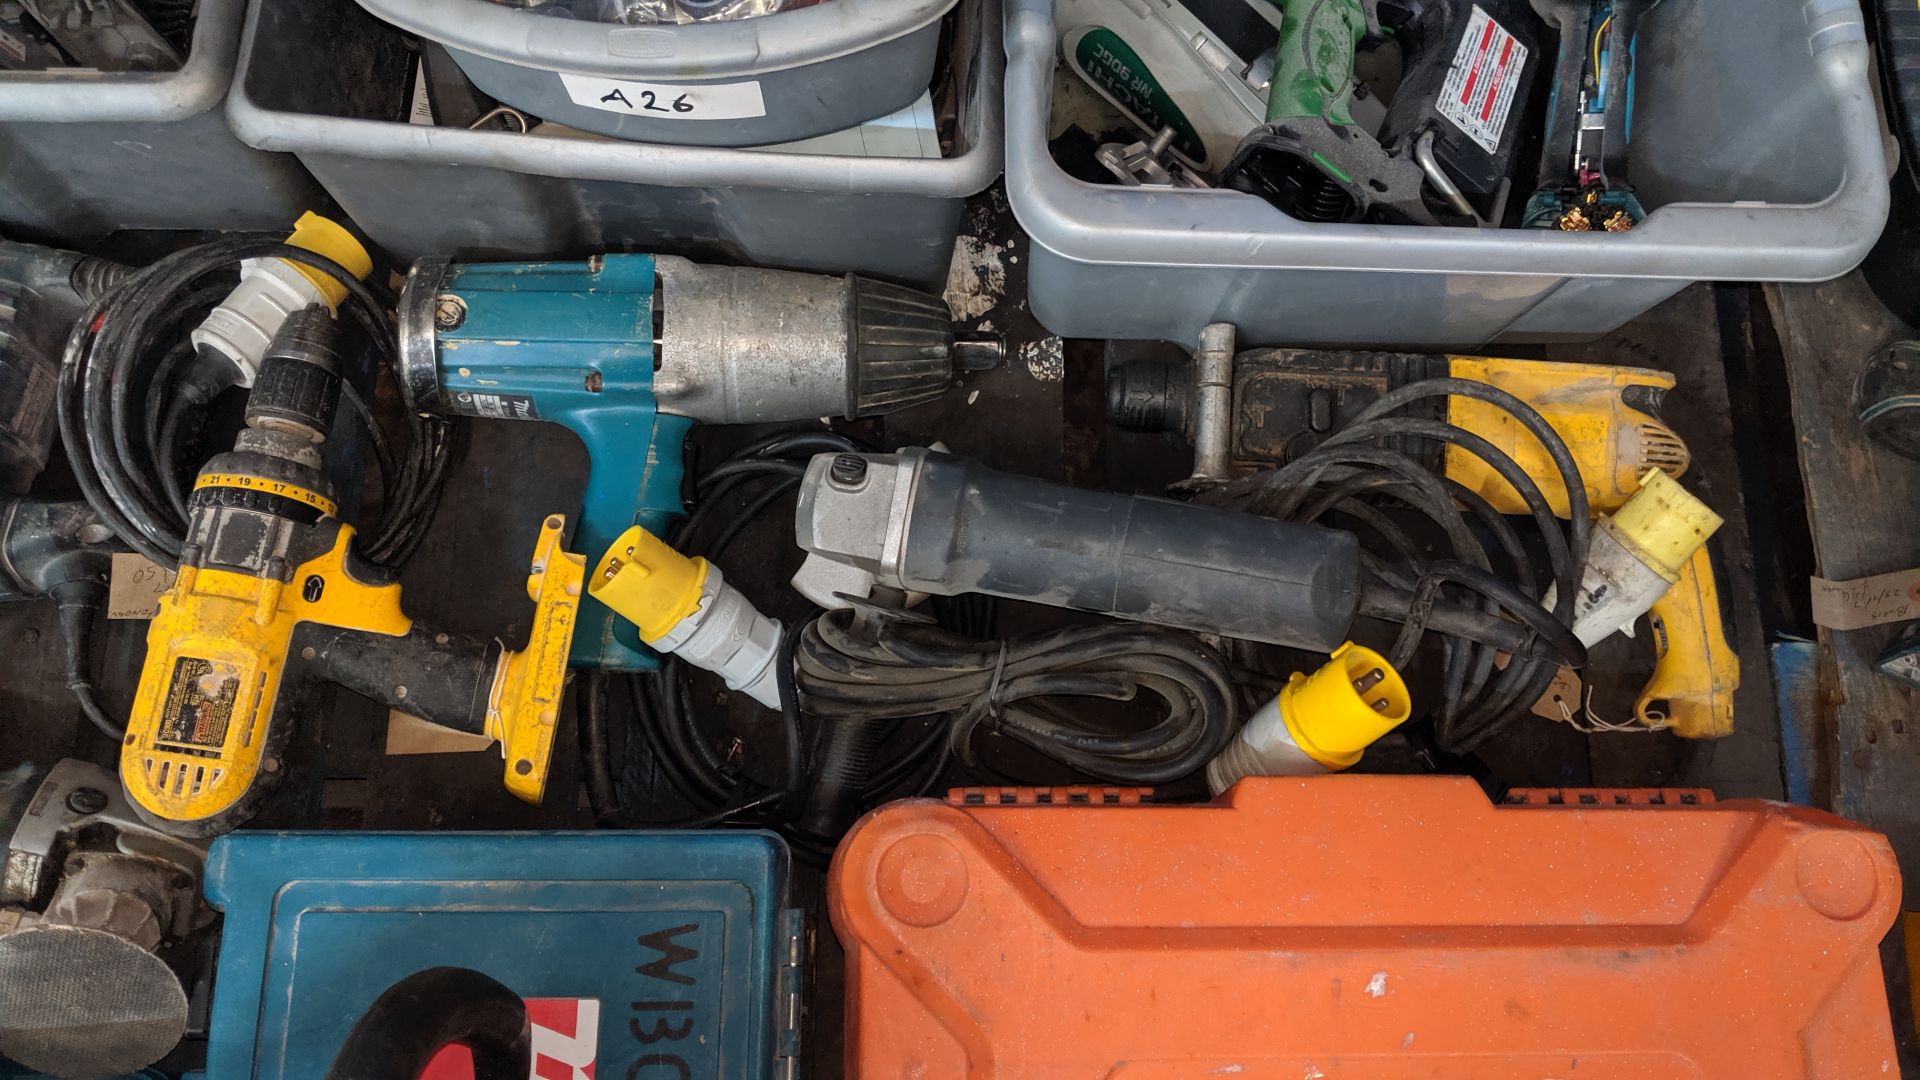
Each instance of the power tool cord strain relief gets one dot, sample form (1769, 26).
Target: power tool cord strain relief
(80, 603)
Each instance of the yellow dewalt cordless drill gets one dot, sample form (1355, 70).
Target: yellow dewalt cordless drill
(272, 601)
(1281, 403)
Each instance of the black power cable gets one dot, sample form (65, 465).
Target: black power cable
(1351, 474)
(128, 390)
(663, 701)
(897, 669)
(925, 688)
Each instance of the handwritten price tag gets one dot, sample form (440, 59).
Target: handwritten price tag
(134, 590)
(1868, 601)
(667, 101)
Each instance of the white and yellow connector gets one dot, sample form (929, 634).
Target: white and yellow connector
(1319, 723)
(682, 606)
(271, 289)
(1637, 555)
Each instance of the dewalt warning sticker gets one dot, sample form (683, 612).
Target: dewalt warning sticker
(1485, 75)
(199, 705)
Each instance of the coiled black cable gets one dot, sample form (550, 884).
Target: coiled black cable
(126, 404)
(931, 688)
(1349, 474)
(901, 669)
(662, 702)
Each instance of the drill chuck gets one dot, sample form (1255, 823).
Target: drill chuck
(251, 503)
(298, 387)
(903, 349)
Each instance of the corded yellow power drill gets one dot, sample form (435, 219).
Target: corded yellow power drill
(272, 601)
(1280, 403)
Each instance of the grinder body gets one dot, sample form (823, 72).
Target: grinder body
(629, 351)
(922, 521)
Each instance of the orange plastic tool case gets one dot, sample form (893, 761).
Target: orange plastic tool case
(1363, 928)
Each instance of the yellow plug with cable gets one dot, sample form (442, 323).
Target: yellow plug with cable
(1650, 558)
(1637, 554)
(1319, 723)
(271, 289)
(681, 605)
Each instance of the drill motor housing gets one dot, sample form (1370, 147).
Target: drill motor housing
(272, 601)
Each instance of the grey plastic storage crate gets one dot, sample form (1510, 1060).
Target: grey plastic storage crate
(1756, 144)
(746, 82)
(325, 80)
(83, 154)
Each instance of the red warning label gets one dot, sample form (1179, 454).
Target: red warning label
(566, 1043)
(1478, 95)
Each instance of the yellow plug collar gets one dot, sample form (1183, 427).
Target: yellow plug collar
(1331, 718)
(328, 238)
(648, 583)
(1663, 524)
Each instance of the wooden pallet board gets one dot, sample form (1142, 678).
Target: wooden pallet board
(1864, 753)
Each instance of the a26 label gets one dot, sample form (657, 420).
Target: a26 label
(667, 101)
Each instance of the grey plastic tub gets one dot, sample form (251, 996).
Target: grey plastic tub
(326, 81)
(749, 82)
(84, 153)
(1756, 145)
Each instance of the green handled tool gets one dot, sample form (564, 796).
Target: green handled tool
(1308, 159)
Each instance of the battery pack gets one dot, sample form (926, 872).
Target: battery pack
(1471, 79)
(637, 954)
(1363, 928)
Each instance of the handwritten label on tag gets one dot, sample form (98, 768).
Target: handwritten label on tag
(666, 101)
(134, 590)
(1561, 701)
(1868, 601)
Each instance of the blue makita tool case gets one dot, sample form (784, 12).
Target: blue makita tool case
(639, 954)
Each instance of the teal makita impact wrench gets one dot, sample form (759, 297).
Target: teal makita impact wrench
(629, 351)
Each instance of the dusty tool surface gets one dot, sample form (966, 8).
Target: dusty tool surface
(1042, 414)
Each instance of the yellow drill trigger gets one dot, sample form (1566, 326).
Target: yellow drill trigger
(525, 702)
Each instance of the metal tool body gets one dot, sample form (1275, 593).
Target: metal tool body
(629, 351)
(50, 544)
(42, 290)
(111, 35)
(1198, 69)
(272, 601)
(1285, 402)
(88, 894)
(921, 521)
(1454, 120)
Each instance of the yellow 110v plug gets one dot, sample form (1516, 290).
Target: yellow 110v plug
(1319, 723)
(1637, 554)
(270, 289)
(682, 606)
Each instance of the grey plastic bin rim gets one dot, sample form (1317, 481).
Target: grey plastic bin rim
(1110, 225)
(134, 96)
(643, 163)
(693, 52)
